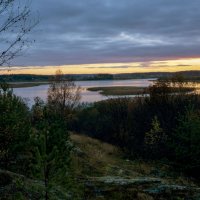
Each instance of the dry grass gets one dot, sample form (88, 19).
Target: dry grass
(142, 196)
(93, 158)
(96, 158)
(131, 90)
(118, 90)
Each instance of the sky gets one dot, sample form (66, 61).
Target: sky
(112, 36)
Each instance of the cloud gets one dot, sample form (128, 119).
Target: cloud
(93, 31)
(146, 64)
(183, 65)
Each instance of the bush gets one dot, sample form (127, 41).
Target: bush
(15, 130)
(186, 142)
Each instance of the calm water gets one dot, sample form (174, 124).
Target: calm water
(41, 91)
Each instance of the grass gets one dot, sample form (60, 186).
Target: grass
(95, 157)
(118, 90)
(94, 160)
(130, 90)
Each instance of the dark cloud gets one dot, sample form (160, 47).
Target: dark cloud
(93, 31)
(183, 65)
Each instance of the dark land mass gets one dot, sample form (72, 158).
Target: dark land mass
(130, 90)
(190, 75)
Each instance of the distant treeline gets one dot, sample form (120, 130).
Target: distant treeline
(186, 74)
(46, 78)
(190, 75)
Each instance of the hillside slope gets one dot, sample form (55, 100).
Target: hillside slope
(107, 174)
(102, 172)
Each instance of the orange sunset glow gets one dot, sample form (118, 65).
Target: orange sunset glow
(112, 68)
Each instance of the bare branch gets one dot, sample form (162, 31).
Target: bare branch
(15, 24)
(63, 94)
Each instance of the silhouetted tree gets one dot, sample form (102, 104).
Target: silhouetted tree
(15, 23)
(63, 94)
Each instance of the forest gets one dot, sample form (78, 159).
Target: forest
(145, 147)
(35, 143)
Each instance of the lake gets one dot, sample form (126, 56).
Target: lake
(29, 93)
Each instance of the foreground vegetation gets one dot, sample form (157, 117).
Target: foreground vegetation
(35, 144)
(147, 147)
(103, 171)
(164, 125)
(106, 173)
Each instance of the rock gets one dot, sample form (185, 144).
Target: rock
(144, 188)
(173, 188)
(112, 180)
(79, 152)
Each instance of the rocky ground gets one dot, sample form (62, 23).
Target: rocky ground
(107, 174)
(102, 172)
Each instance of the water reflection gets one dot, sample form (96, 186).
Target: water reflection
(87, 96)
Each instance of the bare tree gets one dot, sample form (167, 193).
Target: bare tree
(15, 23)
(63, 94)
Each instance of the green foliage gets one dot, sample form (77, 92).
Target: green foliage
(36, 144)
(105, 120)
(187, 140)
(155, 134)
(15, 130)
(149, 127)
(51, 147)
(155, 139)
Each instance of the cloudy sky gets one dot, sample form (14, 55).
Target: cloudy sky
(87, 36)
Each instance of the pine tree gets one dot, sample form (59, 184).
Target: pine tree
(186, 141)
(15, 129)
(155, 139)
(51, 149)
